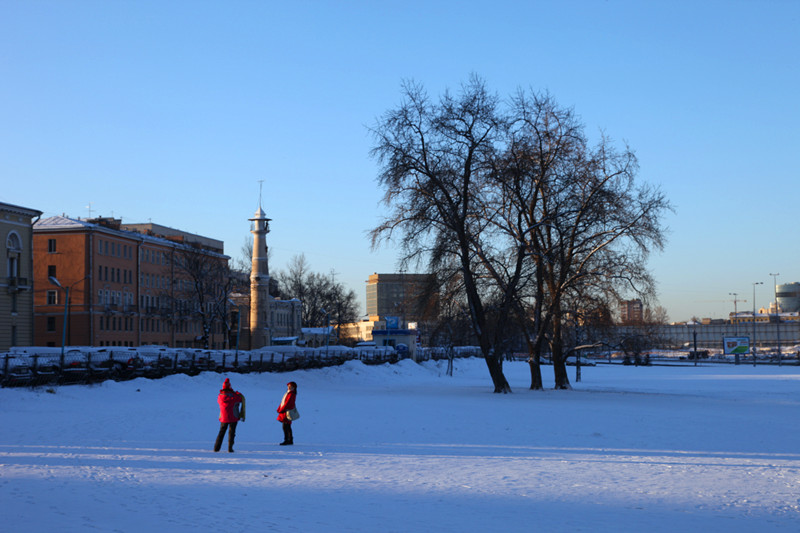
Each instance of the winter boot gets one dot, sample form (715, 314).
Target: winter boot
(288, 439)
(287, 435)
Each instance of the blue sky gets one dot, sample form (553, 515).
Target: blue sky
(172, 112)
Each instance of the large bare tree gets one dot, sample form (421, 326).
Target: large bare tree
(321, 296)
(435, 159)
(585, 222)
(204, 284)
(536, 225)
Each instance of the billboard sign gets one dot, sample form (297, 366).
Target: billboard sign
(735, 345)
(392, 322)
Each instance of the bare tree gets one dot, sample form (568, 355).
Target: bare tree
(204, 286)
(321, 296)
(435, 158)
(534, 223)
(588, 225)
(245, 260)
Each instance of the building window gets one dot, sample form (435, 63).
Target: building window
(14, 303)
(51, 324)
(51, 246)
(51, 271)
(13, 251)
(52, 297)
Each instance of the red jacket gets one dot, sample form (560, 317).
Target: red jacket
(227, 399)
(287, 404)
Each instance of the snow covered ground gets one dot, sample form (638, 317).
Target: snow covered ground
(407, 448)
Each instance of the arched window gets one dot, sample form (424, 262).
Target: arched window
(13, 252)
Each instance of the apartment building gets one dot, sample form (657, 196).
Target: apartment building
(112, 284)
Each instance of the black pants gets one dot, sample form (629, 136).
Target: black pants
(288, 438)
(231, 429)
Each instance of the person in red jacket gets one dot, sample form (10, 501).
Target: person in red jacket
(287, 404)
(231, 410)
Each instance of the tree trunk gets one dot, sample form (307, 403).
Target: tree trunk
(559, 359)
(536, 373)
(560, 371)
(495, 366)
(534, 361)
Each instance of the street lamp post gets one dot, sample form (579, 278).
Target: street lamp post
(238, 330)
(327, 330)
(777, 314)
(735, 322)
(55, 282)
(735, 313)
(754, 319)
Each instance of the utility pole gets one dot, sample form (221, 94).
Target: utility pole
(777, 314)
(735, 313)
(754, 319)
(736, 320)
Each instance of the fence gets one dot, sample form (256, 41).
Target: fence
(37, 368)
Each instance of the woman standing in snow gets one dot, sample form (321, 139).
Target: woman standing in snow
(287, 404)
(231, 410)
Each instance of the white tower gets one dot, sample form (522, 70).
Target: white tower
(259, 282)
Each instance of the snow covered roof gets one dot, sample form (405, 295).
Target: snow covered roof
(59, 222)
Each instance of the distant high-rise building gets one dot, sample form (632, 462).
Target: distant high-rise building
(631, 311)
(403, 296)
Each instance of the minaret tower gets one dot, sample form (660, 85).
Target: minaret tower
(259, 282)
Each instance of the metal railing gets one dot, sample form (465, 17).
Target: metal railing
(45, 367)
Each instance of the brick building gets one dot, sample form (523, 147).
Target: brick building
(123, 285)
